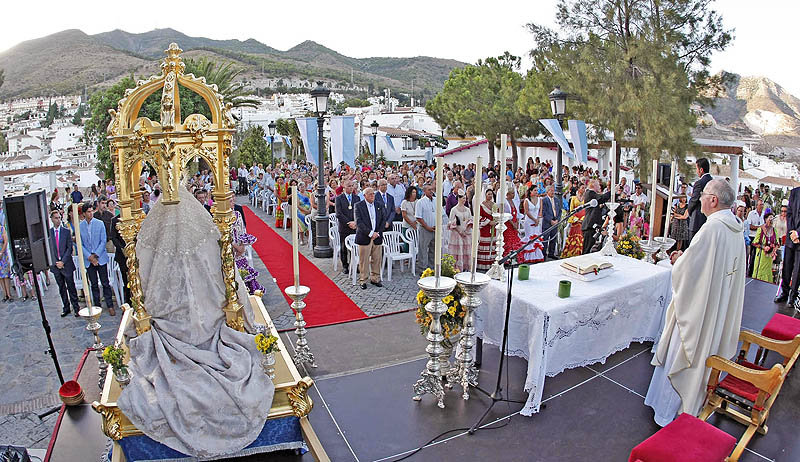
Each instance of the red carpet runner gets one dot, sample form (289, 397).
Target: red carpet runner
(326, 303)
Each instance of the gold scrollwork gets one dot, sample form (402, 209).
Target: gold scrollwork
(299, 399)
(111, 426)
(168, 102)
(197, 125)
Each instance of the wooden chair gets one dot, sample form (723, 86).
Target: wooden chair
(779, 327)
(392, 253)
(748, 386)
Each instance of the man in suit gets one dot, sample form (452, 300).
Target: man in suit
(95, 256)
(696, 217)
(594, 215)
(387, 202)
(63, 267)
(370, 218)
(550, 216)
(791, 259)
(120, 258)
(345, 203)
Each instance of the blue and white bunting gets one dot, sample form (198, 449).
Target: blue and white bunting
(343, 136)
(555, 130)
(577, 131)
(308, 133)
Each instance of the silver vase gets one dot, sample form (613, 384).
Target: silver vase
(464, 371)
(649, 247)
(608, 249)
(666, 243)
(430, 380)
(268, 364)
(91, 314)
(122, 376)
(497, 271)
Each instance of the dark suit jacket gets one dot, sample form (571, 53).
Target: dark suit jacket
(696, 217)
(119, 243)
(793, 217)
(548, 214)
(65, 245)
(388, 208)
(594, 215)
(344, 213)
(364, 225)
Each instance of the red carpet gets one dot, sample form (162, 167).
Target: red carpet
(326, 303)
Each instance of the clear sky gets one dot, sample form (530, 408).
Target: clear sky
(467, 30)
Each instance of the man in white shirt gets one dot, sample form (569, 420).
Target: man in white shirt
(425, 213)
(398, 192)
(242, 177)
(639, 197)
(447, 184)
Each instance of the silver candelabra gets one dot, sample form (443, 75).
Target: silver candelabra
(464, 371)
(608, 249)
(430, 381)
(302, 353)
(91, 315)
(496, 271)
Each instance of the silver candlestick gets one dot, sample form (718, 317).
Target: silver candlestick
(497, 271)
(463, 371)
(608, 249)
(666, 243)
(650, 247)
(302, 353)
(91, 315)
(430, 380)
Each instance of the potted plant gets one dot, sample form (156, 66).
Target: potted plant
(114, 356)
(268, 346)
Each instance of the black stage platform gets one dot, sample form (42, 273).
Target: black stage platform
(363, 409)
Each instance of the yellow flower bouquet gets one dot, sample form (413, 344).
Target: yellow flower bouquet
(266, 343)
(452, 320)
(628, 245)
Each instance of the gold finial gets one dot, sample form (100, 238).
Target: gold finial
(173, 61)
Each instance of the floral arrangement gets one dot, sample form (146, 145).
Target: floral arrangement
(113, 356)
(266, 343)
(452, 320)
(628, 245)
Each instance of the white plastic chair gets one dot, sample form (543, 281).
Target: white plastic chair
(393, 253)
(307, 220)
(333, 236)
(249, 254)
(287, 209)
(350, 245)
(333, 222)
(76, 276)
(271, 205)
(397, 226)
(113, 279)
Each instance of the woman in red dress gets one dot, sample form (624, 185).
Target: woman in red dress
(511, 240)
(486, 250)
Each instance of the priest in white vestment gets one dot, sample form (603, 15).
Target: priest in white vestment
(705, 315)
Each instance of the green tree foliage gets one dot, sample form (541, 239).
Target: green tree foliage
(481, 99)
(254, 148)
(54, 111)
(3, 143)
(77, 119)
(223, 76)
(288, 127)
(634, 67)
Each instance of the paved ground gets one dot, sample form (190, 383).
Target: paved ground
(28, 381)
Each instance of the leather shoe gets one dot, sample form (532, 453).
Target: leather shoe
(64, 313)
(363, 286)
(792, 300)
(77, 315)
(796, 304)
(376, 284)
(780, 298)
(345, 270)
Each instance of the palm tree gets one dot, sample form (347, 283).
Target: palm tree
(288, 127)
(223, 76)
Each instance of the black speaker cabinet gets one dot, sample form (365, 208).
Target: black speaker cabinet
(27, 218)
(664, 174)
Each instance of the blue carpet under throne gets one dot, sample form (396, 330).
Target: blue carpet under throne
(277, 435)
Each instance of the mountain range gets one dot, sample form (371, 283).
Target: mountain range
(67, 61)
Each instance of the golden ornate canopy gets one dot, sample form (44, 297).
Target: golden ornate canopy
(168, 146)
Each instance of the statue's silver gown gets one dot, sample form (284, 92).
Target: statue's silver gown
(197, 385)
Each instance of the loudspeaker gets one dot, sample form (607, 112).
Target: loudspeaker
(664, 174)
(27, 230)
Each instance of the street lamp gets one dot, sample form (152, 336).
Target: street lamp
(322, 247)
(272, 128)
(558, 104)
(374, 125)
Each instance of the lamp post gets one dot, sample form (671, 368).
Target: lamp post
(558, 104)
(272, 128)
(374, 126)
(322, 248)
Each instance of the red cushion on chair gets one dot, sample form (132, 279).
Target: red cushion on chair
(782, 327)
(686, 439)
(741, 387)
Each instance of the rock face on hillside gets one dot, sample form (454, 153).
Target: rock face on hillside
(754, 106)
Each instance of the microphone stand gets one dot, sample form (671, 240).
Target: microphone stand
(497, 395)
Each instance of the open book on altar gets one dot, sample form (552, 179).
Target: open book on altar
(585, 264)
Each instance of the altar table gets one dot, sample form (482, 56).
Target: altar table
(597, 320)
